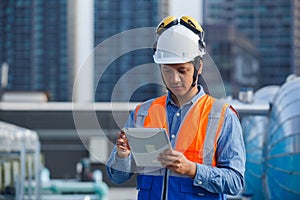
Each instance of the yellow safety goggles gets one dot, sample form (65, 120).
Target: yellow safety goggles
(187, 21)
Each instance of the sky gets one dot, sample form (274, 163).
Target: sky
(188, 7)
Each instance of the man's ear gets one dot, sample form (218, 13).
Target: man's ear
(200, 67)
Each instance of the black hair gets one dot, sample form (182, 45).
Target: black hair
(196, 63)
(201, 81)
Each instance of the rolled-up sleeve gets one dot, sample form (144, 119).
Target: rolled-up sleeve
(118, 169)
(228, 176)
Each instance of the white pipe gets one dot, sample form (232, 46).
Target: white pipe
(4, 75)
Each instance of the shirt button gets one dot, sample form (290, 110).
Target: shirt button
(200, 182)
(178, 114)
(173, 136)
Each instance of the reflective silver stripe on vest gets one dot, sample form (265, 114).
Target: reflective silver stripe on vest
(154, 171)
(142, 113)
(213, 122)
(157, 171)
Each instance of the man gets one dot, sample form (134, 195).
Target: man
(207, 159)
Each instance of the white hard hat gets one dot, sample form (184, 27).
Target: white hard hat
(177, 44)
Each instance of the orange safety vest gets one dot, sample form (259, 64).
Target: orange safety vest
(199, 131)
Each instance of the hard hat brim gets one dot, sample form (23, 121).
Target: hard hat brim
(175, 60)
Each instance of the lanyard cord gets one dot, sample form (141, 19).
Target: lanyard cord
(165, 183)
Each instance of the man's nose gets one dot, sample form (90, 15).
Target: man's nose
(175, 76)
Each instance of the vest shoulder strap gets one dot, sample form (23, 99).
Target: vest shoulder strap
(216, 119)
(142, 110)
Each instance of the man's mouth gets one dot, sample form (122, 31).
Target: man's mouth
(176, 86)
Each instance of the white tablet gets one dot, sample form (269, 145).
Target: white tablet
(146, 144)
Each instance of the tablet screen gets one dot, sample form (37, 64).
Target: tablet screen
(146, 144)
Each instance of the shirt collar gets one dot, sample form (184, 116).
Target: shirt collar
(192, 101)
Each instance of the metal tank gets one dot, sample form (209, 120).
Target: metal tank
(255, 130)
(282, 144)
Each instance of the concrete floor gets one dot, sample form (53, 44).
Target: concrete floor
(130, 193)
(127, 193)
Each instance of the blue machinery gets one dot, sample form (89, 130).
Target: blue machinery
(273, 144)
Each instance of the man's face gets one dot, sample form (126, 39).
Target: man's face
(178, 77)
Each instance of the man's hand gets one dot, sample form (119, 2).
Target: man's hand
(123, 149)
(177, 162)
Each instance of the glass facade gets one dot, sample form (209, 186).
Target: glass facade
(114, 17)
(16, 41)
(34, 42)
(269, 25)
(235, 57)
(34, 45)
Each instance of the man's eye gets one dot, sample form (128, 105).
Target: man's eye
(182, 71)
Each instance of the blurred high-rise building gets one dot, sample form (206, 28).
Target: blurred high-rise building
(272, 26)
(115, 17)
(235, 56)
(34, 43)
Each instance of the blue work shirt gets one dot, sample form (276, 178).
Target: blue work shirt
(226, 178)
